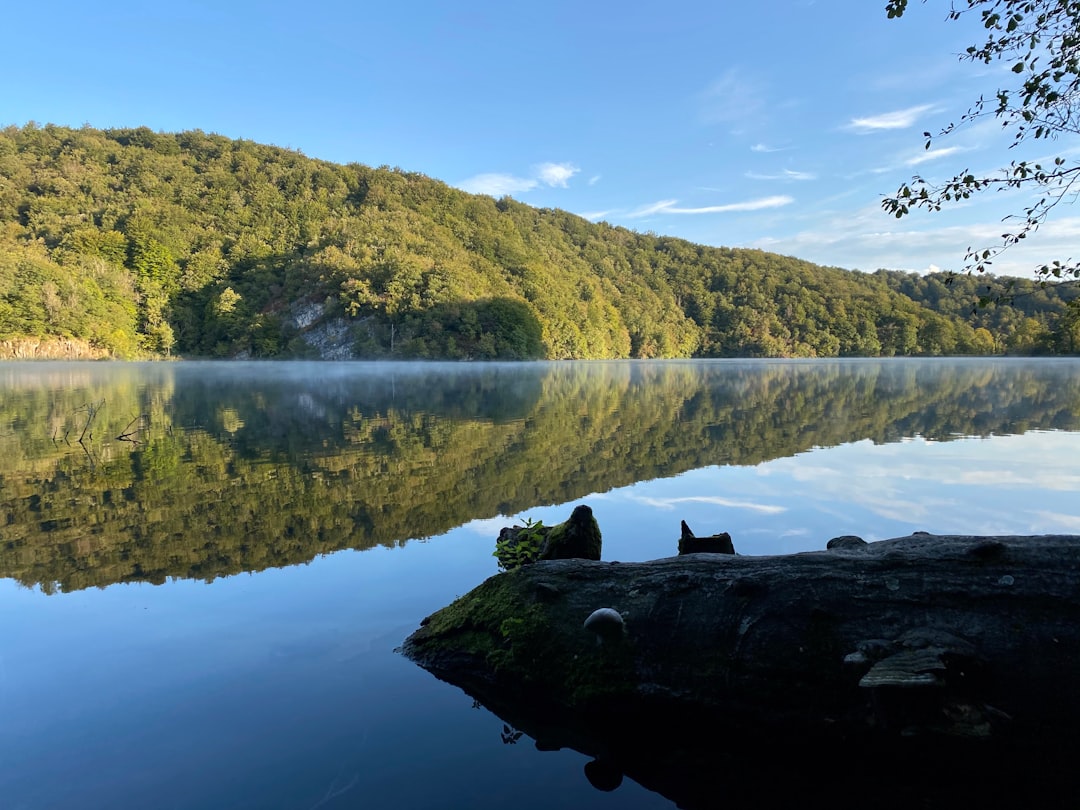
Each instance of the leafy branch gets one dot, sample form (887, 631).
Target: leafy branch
(1040, 42)
(1057, 184)
(520, 546)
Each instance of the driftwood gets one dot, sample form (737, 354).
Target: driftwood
(920, 670)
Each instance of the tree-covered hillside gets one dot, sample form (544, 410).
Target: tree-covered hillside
(131, 243)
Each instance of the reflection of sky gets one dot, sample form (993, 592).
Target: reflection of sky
(282, 688)
(275, 689)
(1028, 484)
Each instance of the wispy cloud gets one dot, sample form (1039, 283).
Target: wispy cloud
(652, 208)
(671, 503)
(593, 216)
(671, 207)
(868, 238)
(498, 184)
(556, 175)
(765, 148)
(731, 97)
(594, 180)
(897, 119)
(933, 154)
(1057, 519)
(786, 174)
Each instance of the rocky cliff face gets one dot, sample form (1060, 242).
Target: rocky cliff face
(330, 337)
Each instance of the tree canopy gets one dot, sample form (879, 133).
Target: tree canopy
(1039, 41)
(139, 243)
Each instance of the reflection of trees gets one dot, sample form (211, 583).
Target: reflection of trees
(245, 467)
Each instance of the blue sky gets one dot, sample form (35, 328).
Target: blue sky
(779, 124)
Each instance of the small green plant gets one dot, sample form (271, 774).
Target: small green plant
(522, 547)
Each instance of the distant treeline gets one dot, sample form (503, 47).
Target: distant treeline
(135, 243)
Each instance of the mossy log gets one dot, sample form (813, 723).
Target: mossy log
(962, 648)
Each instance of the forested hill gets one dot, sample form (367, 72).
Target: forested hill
(128, 242)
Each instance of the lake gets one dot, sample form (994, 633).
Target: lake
(206, 569)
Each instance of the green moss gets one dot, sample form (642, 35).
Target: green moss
(529, 645)
(578, 537)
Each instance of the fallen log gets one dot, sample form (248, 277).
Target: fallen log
(912, 655)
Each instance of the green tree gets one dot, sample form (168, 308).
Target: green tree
(1068, 334)
(1039, 41)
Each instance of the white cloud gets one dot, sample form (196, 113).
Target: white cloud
(556, 175)
(593, 216)
(933, 154)
(765, 148)
(670, 503)
(486, 527)
(594, 180)
(786, 174)
(777, 201)
(669, 207)
(1059, 521)
(497, 185)
(928, 482)
(868, 238)
(652, 208)
(898, 119)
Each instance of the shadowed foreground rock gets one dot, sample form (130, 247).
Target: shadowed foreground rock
(923, 670)
(713, 544)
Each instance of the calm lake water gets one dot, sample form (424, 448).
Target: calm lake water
(205, 569)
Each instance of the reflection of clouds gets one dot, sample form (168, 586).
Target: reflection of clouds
(1070, 523)
(1026, 484)
(1010, 462)
(670, 503)
(487, 527)
(962, 486)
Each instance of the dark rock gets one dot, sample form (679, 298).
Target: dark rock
(906, 658)
(577, 538)
(713, 544)
(987, 550)
(847, 541)
(701, 634)
(606, 623)
(603, 775)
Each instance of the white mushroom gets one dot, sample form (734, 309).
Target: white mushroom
(606, 623)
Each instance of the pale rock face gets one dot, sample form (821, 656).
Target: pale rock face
(304, 315)
(331, 339)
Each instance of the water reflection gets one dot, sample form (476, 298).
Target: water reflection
(199, 470)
